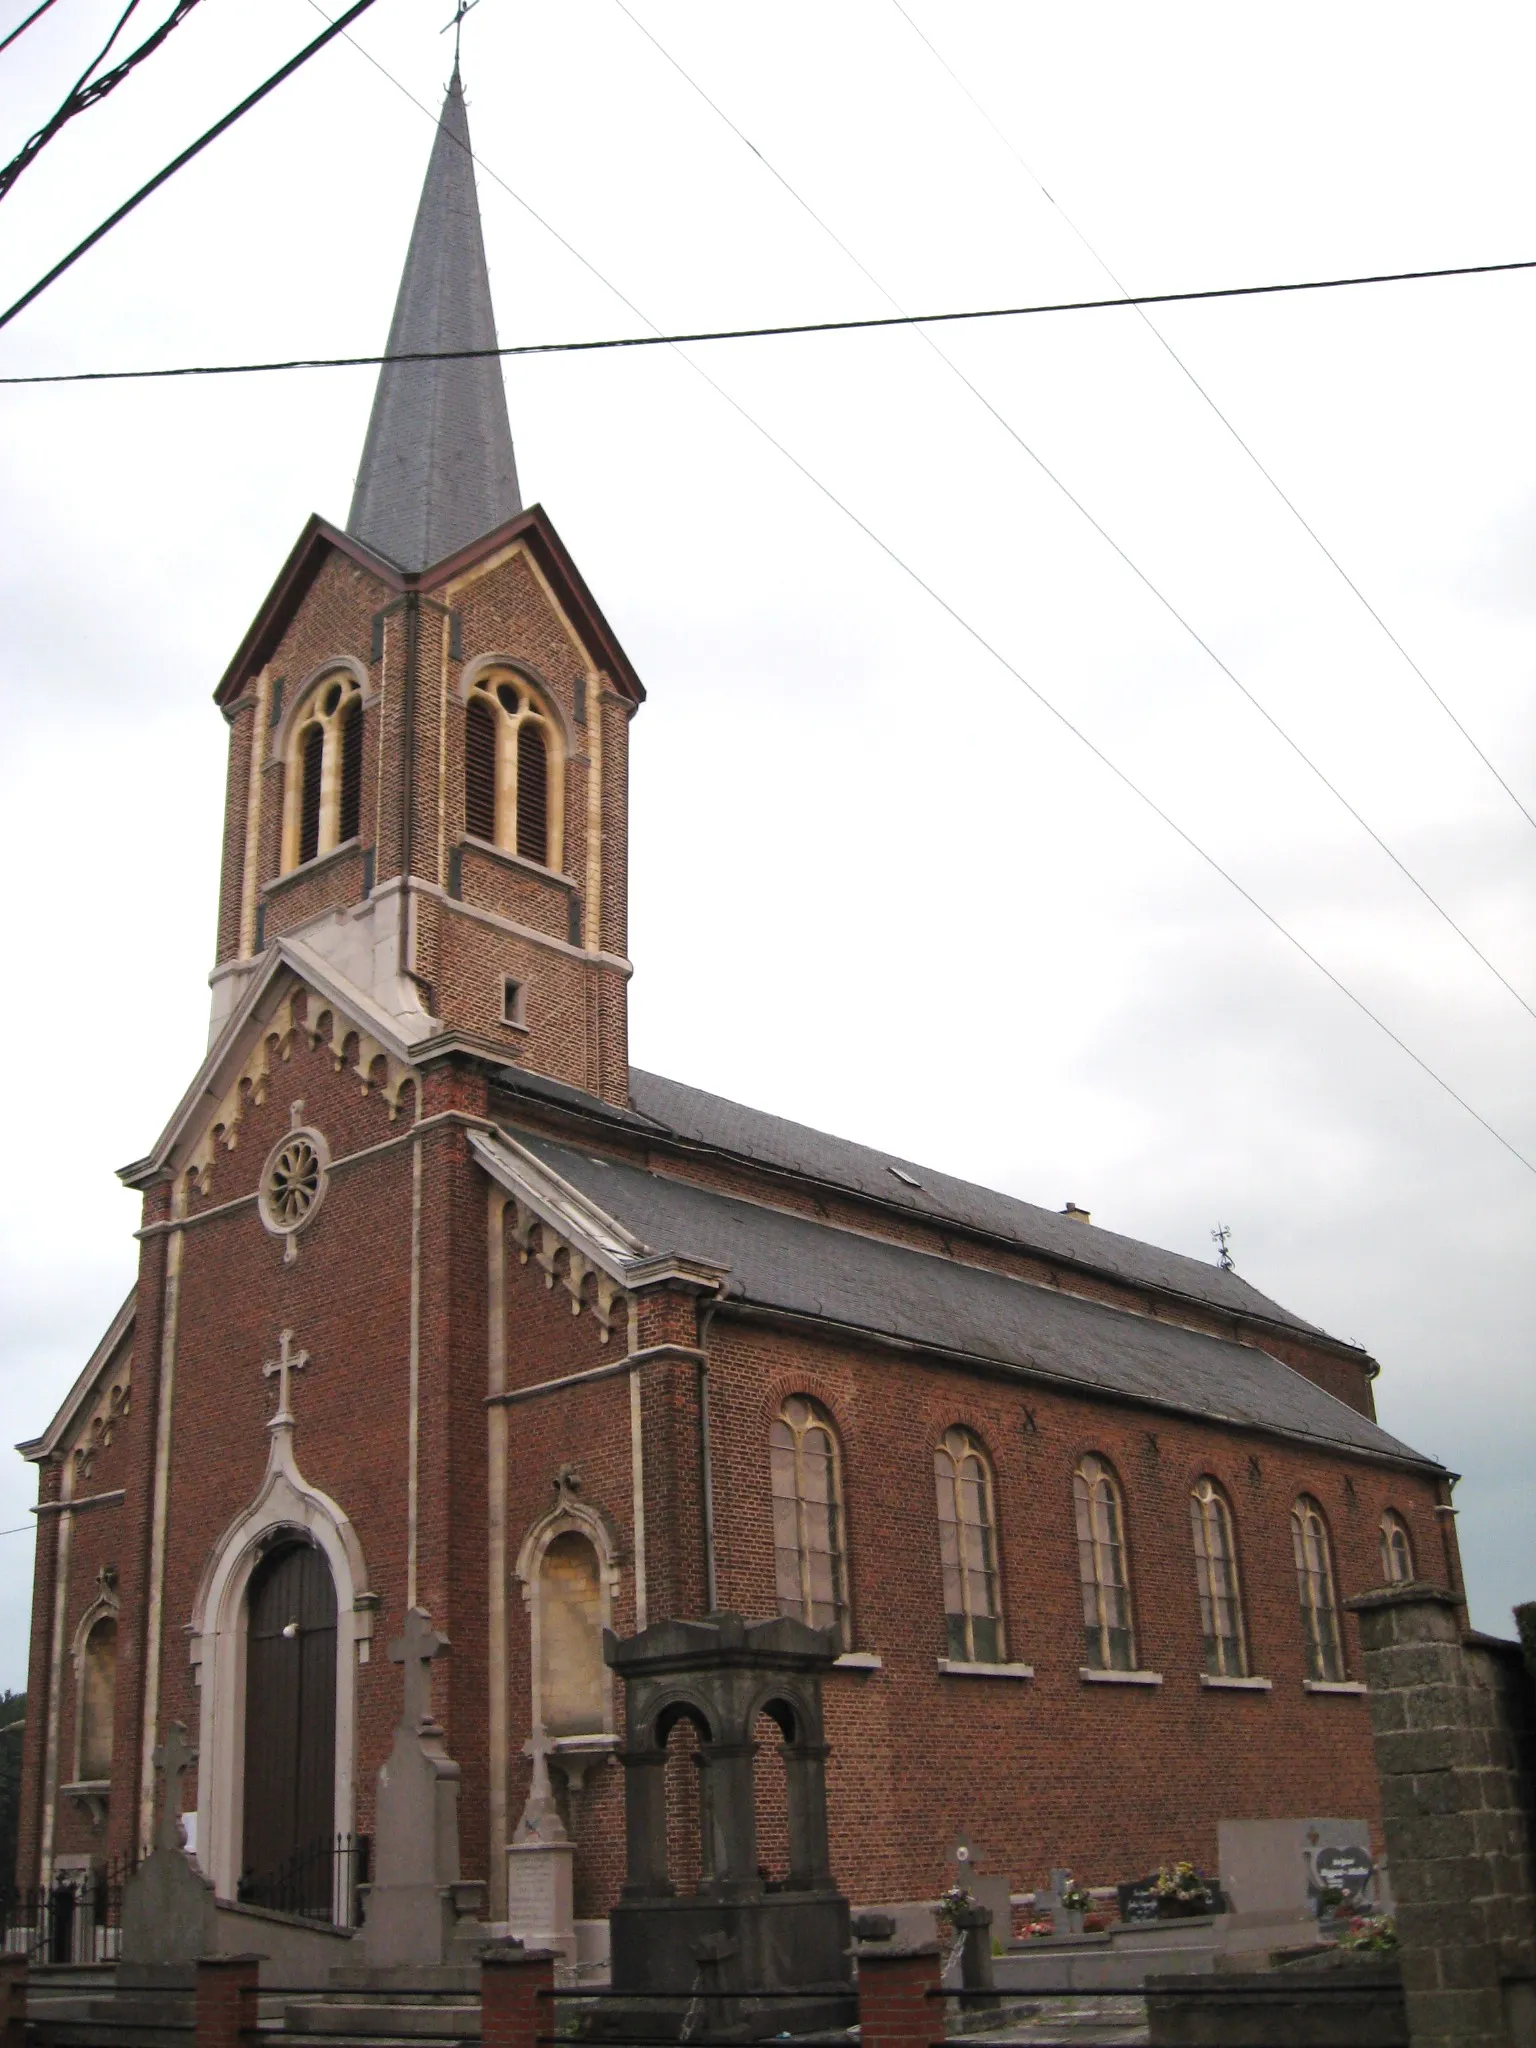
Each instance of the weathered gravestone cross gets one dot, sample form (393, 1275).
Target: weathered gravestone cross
(171, 1759)
(415, 1649)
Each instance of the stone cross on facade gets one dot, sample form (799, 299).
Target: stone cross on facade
(171, 1759)
(287, 1361)
(415, 1649)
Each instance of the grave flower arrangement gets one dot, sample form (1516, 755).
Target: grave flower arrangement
(1370, 1934)
(1077, 1899)
(1179, 1888)
(956, 1900)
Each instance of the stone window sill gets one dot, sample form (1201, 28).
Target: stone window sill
(312, 866)
(1351, 1686)
(860, 1660)
(1091, 1676)
(516, 860)
(954, 1667)
(1214, 1681)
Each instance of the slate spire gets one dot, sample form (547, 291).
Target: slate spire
(437, 468)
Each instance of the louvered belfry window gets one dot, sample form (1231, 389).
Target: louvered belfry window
(532, 793)
(349, 822)
(480, 771)
(312, 761)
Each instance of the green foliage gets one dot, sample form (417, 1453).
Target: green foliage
(13, 1707)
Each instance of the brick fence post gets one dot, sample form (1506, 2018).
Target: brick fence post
(226, 2001)
(514, 2001)
(13, 2001)
(1451, 1726)
(896, 2009)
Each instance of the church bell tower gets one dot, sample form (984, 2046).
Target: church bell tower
(427, 794)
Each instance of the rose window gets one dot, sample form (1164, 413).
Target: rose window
(293, 1181)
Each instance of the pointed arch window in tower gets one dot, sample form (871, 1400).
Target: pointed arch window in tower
(532, 793)
(480, 771)
(312, 769)
(323, 771)
(350, 816)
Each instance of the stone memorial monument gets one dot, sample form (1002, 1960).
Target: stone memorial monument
(169, 1915)
(419, 1911)
(540, 1865)
(736, 1934)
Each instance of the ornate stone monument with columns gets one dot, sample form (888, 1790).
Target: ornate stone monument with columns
(736, 1935)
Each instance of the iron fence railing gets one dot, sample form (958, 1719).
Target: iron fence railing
(78, 1918)
(320, 1881)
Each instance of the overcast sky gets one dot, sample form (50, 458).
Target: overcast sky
(875, 885)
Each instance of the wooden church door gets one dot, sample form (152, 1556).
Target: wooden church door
(290, 1733)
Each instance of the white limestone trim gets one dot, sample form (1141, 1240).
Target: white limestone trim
(957, 1667)
(1219, 1682)
(569, 1514)
(867, 1660)
(105, 1605)
(298, 700)
(496, 1429)
(217, 1638)
(1350, 1687)
(65, 1525)
(154, 1609)
(1090, 1676)
(413, 1391)
(482, 665)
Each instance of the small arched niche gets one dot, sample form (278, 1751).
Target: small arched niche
(569, 1578)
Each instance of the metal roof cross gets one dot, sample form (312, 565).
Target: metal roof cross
(457, 25)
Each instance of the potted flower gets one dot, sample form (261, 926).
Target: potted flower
(1370, 1934)
(958, 1909)
(1181, 1892)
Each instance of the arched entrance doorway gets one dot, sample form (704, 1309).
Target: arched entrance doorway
(290, 1732)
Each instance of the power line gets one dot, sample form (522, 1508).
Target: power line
(186, 156)
(974, 633)
(1103, 532)
(20, 30)
(1284, 496)
(656, 339)
(86, 91)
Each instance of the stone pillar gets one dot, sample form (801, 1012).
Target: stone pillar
(726, 1797)
(1455, 1802)
(13, 2001)
(226, 2001)
(515, 2001)
(805, 1774)
(645, 1824)
(897, 2005)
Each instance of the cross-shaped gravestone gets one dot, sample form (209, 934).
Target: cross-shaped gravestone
(287, 1361)
(415, 1649)
(967, 1856)
(171, 1759)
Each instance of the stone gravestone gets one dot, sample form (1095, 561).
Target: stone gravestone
(1271, 1868)
(988, 1888)
(1054, 1901)
(168, 1907)
(540, 1864)
(419, 1911)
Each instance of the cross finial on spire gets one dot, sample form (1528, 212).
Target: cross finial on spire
(457, 25)
(1221, 1237)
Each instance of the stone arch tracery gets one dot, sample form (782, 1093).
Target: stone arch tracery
(286, 1506)
(320, 744)
(516, 746)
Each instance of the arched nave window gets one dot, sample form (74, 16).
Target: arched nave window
(808, 1516)
(1221, 1604)
(1108, 1638)
(968, 1549)
(1316, 1592)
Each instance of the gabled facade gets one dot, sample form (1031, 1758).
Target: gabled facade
(442, 1305)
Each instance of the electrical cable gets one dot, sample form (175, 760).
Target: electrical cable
(1103, 532)
(186, 156)
(974, 633)
(1284, 496)
(657, 339)
(82, 94)
(20, 30)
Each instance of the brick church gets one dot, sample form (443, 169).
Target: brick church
(442, 1304)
